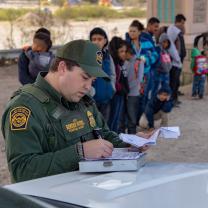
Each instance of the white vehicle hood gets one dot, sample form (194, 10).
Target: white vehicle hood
(155, 185)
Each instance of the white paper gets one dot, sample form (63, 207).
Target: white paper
(139, 141)
(170, 132)
(165, 132)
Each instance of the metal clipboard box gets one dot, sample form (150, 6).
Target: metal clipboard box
(112, 165)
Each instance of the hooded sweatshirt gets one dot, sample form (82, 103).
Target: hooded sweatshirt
(38, 61)
(147, 50)
(164, 62)
(155, 105)
(104, 90)
(173, 33)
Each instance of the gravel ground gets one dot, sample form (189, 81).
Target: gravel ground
(192, 117)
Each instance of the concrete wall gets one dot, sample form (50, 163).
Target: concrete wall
(196, 14)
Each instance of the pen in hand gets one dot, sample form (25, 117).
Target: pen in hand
(97, 133)
(107, 146)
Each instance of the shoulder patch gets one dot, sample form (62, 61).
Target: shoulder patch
(19, 118)
(99, 57)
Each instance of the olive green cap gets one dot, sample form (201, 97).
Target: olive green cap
(86, 54)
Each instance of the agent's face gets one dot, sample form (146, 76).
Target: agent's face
(39, 46)
(122, 53)
(99, 40)
(74, 84)
(134, 33)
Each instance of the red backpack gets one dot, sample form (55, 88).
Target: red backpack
(201, 65)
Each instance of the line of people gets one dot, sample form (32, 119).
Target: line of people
(144, 70)
(49, 126)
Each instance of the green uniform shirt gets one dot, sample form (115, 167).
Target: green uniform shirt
(42, 129)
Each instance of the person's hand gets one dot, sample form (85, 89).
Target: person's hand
(143, 59)
(146, 134)
(97, 148)
(25, 48)
(168, 98)
(143, 148)
(140, 149)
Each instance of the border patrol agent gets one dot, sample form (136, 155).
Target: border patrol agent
(48, 126)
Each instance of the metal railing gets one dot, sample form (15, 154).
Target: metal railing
(14, 53)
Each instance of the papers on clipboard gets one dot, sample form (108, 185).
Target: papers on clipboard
(164, 132)
(121, 154)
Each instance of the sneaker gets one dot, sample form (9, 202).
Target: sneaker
(178, 102)
(180, 93)
(176, 105)
(201, 96)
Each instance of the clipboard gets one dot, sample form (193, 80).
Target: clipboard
(114, 164)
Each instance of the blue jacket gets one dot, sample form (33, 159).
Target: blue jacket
(154, 106)
(148, 50)
(104, 90)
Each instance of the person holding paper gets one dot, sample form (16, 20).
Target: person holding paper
(157, 109)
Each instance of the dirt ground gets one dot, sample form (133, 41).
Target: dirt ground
(192, 117)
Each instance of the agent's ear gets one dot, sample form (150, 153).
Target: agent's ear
(62, 67)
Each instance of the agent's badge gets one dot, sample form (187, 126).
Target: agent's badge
(99, 57)
(91, 119)
(19, 118)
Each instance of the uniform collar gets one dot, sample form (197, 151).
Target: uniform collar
(45, 86)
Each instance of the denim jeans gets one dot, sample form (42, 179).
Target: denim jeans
(104, 108)
(117, 104)
(148, 86)
(160, 80)
(160, 120)
(175, 82)
(122, 125)
(198, 85)
(133, 107)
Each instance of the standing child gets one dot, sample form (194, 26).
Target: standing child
(135, 73)
(163, 66)
(117, 47)
(104, 90)
(205, 53)
(199, 66)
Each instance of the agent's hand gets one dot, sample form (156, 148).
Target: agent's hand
(97, 148)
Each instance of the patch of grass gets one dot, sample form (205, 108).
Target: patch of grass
(83, 12)
(12, 14)
(134, 12)
(88, 12)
